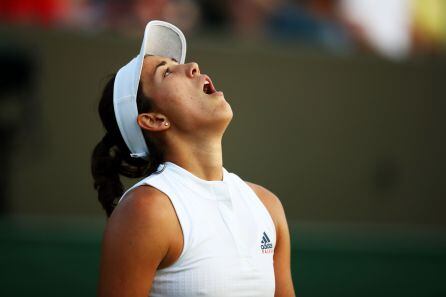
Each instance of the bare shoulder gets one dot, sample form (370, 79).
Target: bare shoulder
(271, 202)
(144, 210)
(140, 208)
(145, 213)
(146, 202)
(264, 194)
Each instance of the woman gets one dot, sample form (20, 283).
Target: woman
(189, 228)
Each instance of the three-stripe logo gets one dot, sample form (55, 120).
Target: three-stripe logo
(265, 244)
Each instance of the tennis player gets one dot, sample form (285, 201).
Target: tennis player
(189, 227)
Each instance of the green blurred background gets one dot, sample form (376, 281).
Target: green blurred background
(354, 145)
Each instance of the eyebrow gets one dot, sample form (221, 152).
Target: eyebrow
(159, 65)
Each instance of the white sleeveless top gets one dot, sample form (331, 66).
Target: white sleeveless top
(229, 237)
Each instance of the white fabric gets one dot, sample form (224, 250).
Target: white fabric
(160, 39)
(224, 226)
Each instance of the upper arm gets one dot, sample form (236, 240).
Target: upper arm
(135, 241)
(282, 269)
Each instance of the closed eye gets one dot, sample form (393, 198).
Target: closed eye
(166, 72)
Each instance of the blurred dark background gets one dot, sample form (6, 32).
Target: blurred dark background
(339, 108)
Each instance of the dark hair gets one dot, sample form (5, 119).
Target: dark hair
(111, 156)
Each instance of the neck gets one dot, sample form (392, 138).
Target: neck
(203, 159)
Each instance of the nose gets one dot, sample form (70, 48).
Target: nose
(192, 69)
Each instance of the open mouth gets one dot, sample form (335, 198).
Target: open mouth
(208, 87)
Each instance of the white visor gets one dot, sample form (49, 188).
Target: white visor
(160, 39)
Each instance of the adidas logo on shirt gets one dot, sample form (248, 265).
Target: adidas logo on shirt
(266, 245)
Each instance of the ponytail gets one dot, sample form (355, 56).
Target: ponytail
(105, 170)
(111, 157)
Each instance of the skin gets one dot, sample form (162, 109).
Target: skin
(190, 125)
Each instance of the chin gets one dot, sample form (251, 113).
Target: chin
(230, 113)
(220, 120)
(228, 116)
(227, 111)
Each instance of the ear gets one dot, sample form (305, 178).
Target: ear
(153, 121)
